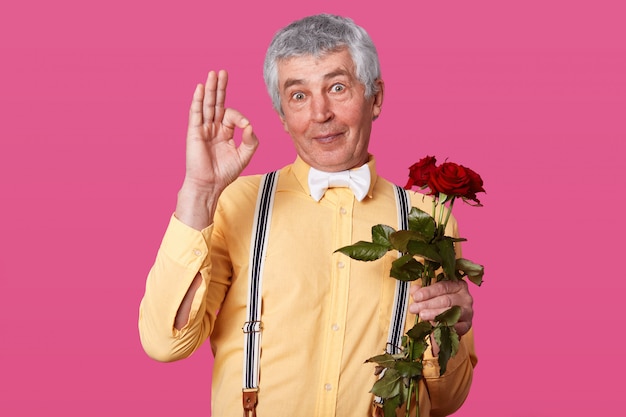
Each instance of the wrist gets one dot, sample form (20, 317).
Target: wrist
(196, 205)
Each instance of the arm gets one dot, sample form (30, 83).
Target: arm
(172, 322)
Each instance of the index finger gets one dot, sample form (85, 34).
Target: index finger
(437, 289)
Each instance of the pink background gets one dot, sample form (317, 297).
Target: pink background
(93, 108)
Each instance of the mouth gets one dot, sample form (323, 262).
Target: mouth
(327, 138)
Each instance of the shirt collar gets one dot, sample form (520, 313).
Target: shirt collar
(301, 171)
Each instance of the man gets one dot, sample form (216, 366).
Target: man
(322, 313)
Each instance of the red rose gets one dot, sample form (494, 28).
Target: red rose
(455, 180)
(476, 185)
(420, 171)
(450, 179)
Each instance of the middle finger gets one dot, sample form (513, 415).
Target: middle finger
(220, 97)
(210, 92)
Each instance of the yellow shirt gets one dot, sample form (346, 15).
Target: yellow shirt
(323, 313)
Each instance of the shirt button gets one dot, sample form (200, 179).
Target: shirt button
(197, 252)
(340, 265)
(342, 210)
(335, 327)
(328, 387)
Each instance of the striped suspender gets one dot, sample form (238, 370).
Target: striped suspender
(400, 303)
(398, 317)
(252, 327)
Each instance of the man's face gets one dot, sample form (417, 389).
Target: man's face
(325, 110)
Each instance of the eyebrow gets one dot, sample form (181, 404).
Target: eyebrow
(296, 81)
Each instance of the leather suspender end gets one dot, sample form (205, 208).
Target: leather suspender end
(249, 402)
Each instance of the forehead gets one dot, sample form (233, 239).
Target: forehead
(310, 68)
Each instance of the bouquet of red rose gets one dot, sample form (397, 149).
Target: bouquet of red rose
(427, 255)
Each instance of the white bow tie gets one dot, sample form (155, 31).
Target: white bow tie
(358, 180)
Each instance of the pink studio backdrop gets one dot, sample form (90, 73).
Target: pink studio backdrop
(93, 108)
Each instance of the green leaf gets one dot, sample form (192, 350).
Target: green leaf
(401, 238)
(418, 348)
(419, 334)
(425, 250)
(449, 317)
(385, 360)
(406, 268)
(422, 222)
(364, 251)
(380, 234)
(389, 385)
(409, 369)
(390, 405)
(473, 271)
(420, 330)
(448, 342)
(448, 257)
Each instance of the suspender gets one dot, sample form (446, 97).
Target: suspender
(253, 326)
(400, 301)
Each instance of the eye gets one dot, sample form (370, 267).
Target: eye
(297, 96)
(337, 88)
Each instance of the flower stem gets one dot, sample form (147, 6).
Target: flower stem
(412, 384)
(417, 384)
(449, 212)
(417, 399)
(434, 207)
(408, 401)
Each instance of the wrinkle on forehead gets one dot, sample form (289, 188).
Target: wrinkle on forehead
(345, 67)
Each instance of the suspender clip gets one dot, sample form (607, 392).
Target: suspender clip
(252, 326)
(249, 402)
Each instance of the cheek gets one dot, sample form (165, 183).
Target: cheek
(295, 123)
(360, 120)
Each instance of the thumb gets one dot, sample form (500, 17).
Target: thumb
(232, 119)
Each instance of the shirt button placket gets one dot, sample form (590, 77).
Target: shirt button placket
(336, 327)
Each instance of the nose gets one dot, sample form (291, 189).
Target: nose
(321, 109)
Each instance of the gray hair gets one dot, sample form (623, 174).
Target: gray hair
(318, 35)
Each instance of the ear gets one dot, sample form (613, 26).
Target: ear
(283, 121)
(378, 99)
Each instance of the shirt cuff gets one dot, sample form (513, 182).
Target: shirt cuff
(186, 245)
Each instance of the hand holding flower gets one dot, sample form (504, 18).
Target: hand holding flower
(429, 302)
(441, 301)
